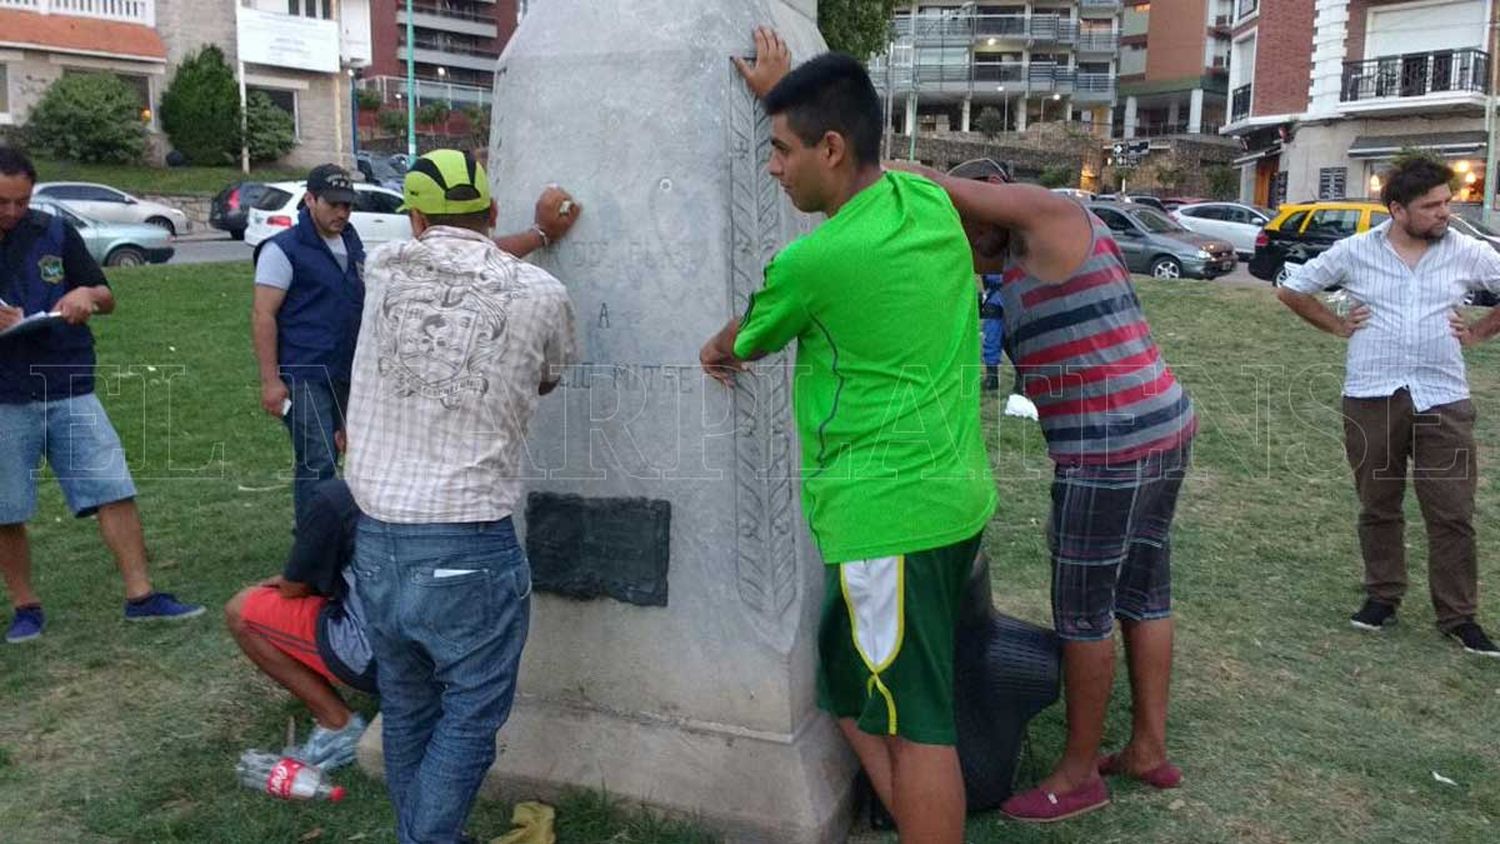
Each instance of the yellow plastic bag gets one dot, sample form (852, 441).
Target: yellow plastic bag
(533, 824)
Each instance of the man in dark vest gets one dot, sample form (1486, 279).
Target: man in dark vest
(48, 407)
(308, 297)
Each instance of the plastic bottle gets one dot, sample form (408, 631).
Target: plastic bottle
(285, 778)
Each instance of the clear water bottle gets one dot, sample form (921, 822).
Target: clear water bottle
(285, 778)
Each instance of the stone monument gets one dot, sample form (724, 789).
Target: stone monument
(673, 636)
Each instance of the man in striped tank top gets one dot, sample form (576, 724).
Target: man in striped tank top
(1118, 427)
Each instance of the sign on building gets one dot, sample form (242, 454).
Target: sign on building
(291, 41)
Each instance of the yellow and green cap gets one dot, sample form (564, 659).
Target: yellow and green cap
(446, 181)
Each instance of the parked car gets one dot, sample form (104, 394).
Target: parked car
(109, 205)
(1236, 223)
(1155, 245)
(230, 210)
(1080, 195)
(1172, 203)
(375, 216)
(1298, 233)
(386, 171)
(115, 244)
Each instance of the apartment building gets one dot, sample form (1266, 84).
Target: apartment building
(456, 45)
(1031, 60)
(1173, 67)
(1324, 93)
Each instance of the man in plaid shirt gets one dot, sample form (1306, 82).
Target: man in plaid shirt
(457, 342)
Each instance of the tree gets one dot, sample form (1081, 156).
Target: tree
(269, 131)
(368, 99)
(200, 110)
(1223, 182)
(89, 117)
(433, 114)
(1169, 177)
(990, 123)
(1059, 176)
(393, 121)
(860, 28)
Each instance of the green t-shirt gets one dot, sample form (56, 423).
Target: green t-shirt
(881, 302)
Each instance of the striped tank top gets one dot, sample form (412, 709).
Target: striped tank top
(1088, 362)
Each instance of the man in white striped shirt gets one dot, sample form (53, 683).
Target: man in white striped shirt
(1406, 397)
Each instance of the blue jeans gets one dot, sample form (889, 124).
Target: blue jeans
(317, 411)
(80, 445)
(447, 610)
(994, 332)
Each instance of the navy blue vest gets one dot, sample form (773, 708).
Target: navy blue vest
(318, 323)
(56, 362)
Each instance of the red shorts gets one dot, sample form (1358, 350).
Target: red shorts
(291, 624)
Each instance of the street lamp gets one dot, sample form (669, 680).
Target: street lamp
(1055, 98)
(1005, 103)
(447, 86)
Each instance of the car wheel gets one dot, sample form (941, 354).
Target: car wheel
(125, 256)
(1283, 273)
(164, 223)
(1165, 267)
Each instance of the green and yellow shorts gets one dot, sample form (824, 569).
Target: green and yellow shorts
(885, 643)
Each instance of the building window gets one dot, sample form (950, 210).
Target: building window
(1331, 182)
(285, 100)
(1248, 7)
(310, 8)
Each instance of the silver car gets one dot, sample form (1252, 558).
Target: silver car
(106, 204)
(115, 244)
(1155, 245)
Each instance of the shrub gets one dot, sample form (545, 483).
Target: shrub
(200, 110)
(393, 121)
(1223, 182)
(368, 99)
(270, 131)
(1060, 176)
(990, 123)
(433, 114)
(88, 117)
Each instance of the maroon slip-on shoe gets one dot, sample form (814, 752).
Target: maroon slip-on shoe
(1041, 806)
(1163, 776)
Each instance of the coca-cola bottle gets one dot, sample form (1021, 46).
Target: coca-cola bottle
(285, 778)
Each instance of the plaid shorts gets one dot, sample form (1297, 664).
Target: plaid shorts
(1110, 536)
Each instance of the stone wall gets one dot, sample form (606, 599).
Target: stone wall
(195, 207)
(1188, 159)
(1028, 153)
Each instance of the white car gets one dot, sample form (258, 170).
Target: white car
(374, 216)
(1231, 221)
(106, 204)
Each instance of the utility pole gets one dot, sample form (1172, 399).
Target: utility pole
(1491, 125)
(411, 84)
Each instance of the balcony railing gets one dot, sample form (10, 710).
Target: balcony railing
(1094, 83)
(1239, 103)
(450, 12)
(1098, 42)
(1049, 77)
(1014, 25)
(1416, 75)
(1000, 72)
(127, 11)
(961, 28)
(429, 91)
(1092, 5)
(1053, 29)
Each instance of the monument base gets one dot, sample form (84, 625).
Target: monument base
(752, 787)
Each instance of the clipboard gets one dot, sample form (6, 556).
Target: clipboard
(40, 319)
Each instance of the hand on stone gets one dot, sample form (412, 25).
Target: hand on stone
(556, 212)
(772, 61)
(720, 365)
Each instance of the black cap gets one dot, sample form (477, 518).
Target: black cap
(331, 183)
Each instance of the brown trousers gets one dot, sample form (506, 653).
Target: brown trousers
(1380, 437)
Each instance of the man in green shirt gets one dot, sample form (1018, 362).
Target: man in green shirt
(896, 485)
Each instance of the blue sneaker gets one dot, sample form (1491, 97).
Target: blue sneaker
(160, 606)
(27, 625)
(330, 749)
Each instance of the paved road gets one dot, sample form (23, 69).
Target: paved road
(199, 251)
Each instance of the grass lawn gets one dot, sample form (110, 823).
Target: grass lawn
(202, 181)
(1289, 725)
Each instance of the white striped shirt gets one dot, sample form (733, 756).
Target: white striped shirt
(1407, 342)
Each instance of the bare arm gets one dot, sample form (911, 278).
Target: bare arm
(273, 391)
(1054, 227)
(1311, 309)
(1472, 334)
(556, 212)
